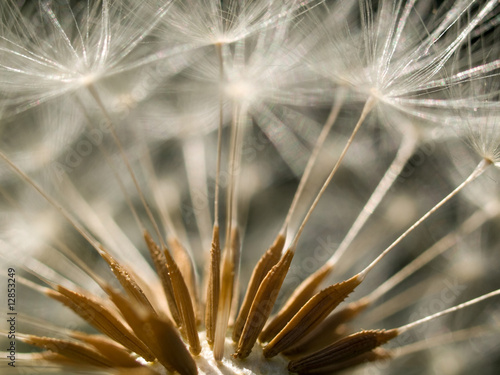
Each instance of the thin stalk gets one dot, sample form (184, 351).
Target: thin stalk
(194, 156)
(232, 236)
(213, 283)
(165, 217)
(332, 117)
(218, 48)
(481, 167)
(370, 103)
(448, 338)
(233, 165)
(403, 300)
(236, 233)
(114, 170)
(405, 151)
(93, 92)
(448, 311)
(74, 223)
(104, 227)
(475, 221)
(60, 247)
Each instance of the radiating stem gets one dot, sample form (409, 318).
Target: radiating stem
(194, 156)
(332, 117)
(448, 311)
(471, 224)
(370, 103)
(475, 174)
(165, 216)
(405, 151)
(74, 223)
(447, 338)
(92, 90)
(213, 283)
(232, 235)
(219, 136)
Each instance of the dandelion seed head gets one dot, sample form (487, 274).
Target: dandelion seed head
(486, 140)
(210, 129)
(482, 132)
(68, 47)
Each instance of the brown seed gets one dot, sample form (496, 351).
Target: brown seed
(213, 288)
(101, 318)
(343, 350)
(158, 333)
(226, 294)
(268, 260)
(134, 316)
(184, 302)
(311, 315)
(170, 348)
(117, 354)
(236, 254)
(263, 304)
(377, 354)
(185, 264)
(298, 299)
(328, 330)
(160, 264)
(57, 359)
(75, 351)
(127, 282)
